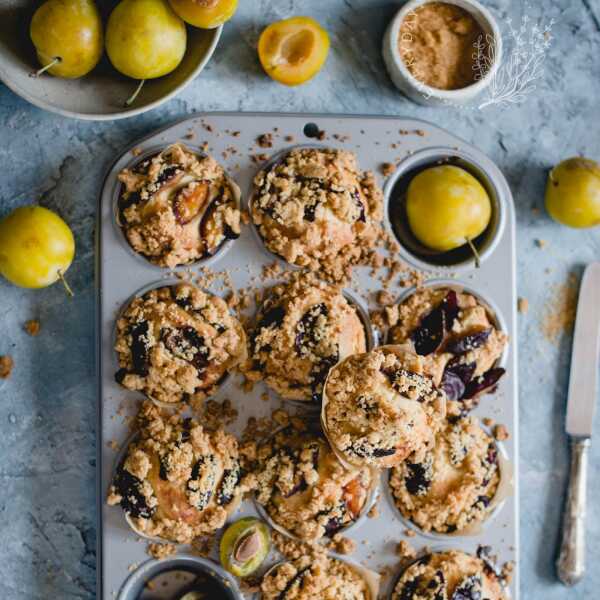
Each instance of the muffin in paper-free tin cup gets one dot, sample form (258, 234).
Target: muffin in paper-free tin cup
(503, 490)
(209, 392)
(395, 217)
(492, 578)
(179, 577)
(371, 579)
(118, 219)
(417, 90)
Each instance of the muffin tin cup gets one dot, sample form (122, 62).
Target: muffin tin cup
(201, 262)
(266, 166)
(493, 311)
(135, 584)
(342, 457)
(411, 250)
(169, 282)
(120, 459)
(371, 578)
(429, 550)
(372, 499)
(503, 491)
(420, 92)
(372, 339)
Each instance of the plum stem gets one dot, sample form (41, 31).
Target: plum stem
(475, 253)
(135, 94)
(53, 62)
(65, 283)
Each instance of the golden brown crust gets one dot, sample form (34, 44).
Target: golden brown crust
(448, 575)
(311, 577)
(305, 489)
(381, 406)
(304, 327)
(178, 207)
(176, 343)
(318, 211)
(177, 481)
(450, 486)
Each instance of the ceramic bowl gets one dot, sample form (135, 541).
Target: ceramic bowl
(418, 91)
(101, 94)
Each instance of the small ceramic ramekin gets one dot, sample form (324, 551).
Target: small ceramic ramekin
(420, 92)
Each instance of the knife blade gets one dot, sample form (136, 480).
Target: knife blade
(583, 379)
(583, 389)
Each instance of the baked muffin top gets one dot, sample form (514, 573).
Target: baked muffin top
(381, 406)
(303, 328)
(177, 481)
(450, 486)
(178, 207)
(453, 575)
(305, 489)
(458, 338)
(176, 343)
(317, 210)
(312, 577)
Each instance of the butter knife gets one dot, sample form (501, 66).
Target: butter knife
(582, 396)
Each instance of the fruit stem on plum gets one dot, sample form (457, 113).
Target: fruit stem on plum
(53, 62)
(475, 253)
(135, 94)
(65, 283)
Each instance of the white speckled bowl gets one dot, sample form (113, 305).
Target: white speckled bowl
(101, 94)
(415, 89)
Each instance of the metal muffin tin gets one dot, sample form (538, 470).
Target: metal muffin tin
(231, 139)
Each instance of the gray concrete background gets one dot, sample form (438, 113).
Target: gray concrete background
(47, 412)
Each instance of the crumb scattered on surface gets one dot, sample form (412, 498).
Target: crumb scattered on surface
(387, 169)
(342, 545)
(409, 533)
(541, 243)
(265, 140)
(6, 366)
(160, 551)
(405, 550)
(488, 422)
(559, 313)
(136, 151)
(32, 327)
(523, 305)
(374, 512)
(384, 298)
(500, 432)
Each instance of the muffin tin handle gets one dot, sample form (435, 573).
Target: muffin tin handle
(571, 560)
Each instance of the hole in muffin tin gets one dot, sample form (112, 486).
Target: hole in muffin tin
(311, 130)
(397, 221)
(171, 579)
(116, 212)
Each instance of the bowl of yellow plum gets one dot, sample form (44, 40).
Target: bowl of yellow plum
(101, 60)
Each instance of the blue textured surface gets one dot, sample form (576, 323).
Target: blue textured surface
(47, 412)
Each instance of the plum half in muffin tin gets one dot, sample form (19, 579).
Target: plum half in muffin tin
(177, 207)
(177, 343)
(313, 207)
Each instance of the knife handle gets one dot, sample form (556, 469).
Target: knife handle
(571, 559)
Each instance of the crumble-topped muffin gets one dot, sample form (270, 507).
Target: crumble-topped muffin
(177, 480)
(458, 338)
(304, 328)
(177, 343)
(453, 575)
(312, 577)
(317, 210)
(381, 406)
(305, 489)
(449, 487)
(178, 207)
